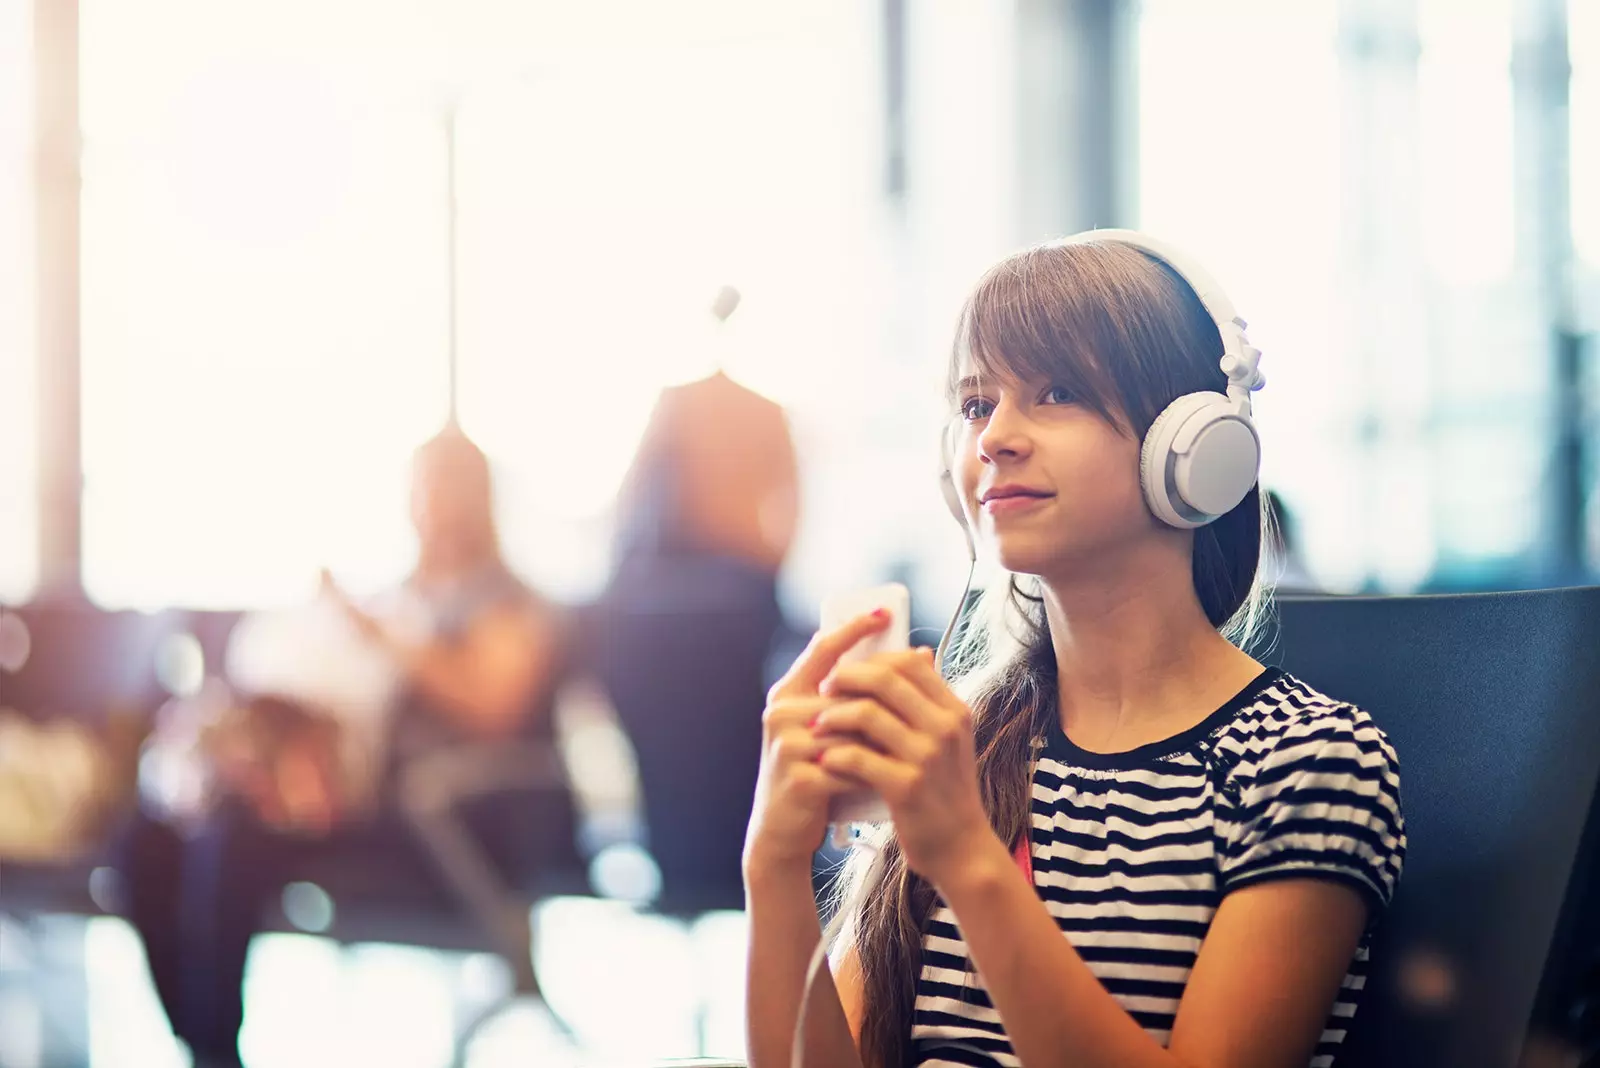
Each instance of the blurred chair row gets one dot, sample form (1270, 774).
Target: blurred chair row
(1489, 956)
(694, 725)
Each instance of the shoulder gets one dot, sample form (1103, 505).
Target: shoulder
(1291, 723)
(1313, 790)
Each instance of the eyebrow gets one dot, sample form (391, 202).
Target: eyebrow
(969, 382)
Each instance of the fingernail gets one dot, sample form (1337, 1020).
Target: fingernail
(812, 722)
(880, 613)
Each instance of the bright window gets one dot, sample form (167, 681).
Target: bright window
(604, 199)
(19, 484)
(1352, 188)
(263, 302)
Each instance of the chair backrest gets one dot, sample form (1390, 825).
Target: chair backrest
(84, 663)
(1493, 704)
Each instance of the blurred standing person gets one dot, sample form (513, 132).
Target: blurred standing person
(477, 657)
(715, 477)
(705, 520)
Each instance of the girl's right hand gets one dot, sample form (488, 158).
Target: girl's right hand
(792, 793)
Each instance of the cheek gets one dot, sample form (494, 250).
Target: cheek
(1104, 474)
(968, 472)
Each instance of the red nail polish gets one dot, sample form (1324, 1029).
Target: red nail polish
(812, 722)
(880, 613)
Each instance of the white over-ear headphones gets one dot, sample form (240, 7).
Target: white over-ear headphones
(1202, 454)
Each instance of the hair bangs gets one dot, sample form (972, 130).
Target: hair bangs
(1023, 323)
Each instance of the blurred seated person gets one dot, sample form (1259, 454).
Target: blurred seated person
(413, 728)
(705, 519)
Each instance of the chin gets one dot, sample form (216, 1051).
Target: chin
(1041, 557)
(1016, 556)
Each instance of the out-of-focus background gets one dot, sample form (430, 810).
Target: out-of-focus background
(252, 255)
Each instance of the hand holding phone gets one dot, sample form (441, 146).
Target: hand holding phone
(865, 806)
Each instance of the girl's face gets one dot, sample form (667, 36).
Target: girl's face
(1049, 484)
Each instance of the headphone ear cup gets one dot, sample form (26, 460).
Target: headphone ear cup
(1198, 461)
(1218, 465)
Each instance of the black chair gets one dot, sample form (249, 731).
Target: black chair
(1493, 703)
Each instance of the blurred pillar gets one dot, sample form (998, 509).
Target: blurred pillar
(892, 28)
(1076, 115)
(1541, 75)
(1381, 250)
(57, 184)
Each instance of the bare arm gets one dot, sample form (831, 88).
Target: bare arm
(784, 930)
(486, 681)
(787, 822)
(1250, 1002)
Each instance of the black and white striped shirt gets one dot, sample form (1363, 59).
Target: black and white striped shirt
(1132, 852)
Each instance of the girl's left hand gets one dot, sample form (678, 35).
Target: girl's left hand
(915, 749)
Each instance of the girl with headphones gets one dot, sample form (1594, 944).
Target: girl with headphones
(1117, 839)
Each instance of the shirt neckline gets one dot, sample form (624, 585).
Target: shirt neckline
(1059, 747)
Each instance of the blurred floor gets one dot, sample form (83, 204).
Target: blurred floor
(632, 987)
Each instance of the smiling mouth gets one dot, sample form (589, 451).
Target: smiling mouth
(1014, 502)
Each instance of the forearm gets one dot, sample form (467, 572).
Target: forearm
(1054, 1009)
(784, 931)
(455, 692)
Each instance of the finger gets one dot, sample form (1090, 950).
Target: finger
(889, 777)
(792, 712)
(918, 667)
(796, 745)
(879, 679)
(871, 721)
(823, 653)
(815, 781)
(799, 745)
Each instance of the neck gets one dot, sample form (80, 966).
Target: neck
(440, 569)
(1137, 659)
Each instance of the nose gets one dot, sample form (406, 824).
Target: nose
(1005, 434)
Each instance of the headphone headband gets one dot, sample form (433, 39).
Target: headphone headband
(1240, 360)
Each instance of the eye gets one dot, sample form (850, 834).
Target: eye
(1059, 395)
(975, 408)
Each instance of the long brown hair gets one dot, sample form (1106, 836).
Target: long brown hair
(1128, 336)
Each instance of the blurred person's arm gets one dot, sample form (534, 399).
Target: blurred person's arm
(486, 680)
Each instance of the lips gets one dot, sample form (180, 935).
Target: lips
(1003, 500)
(1003, 493)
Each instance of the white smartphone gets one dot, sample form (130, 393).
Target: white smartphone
(866, 806)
